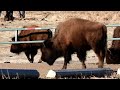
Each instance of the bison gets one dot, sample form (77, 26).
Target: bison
(30, 49)
(113, 53)
(9, 15)
(76, 36)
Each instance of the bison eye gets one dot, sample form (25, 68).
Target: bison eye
(48, 43)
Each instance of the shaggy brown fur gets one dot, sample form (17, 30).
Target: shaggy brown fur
(76, 35)
(30, 35)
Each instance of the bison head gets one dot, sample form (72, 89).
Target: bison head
(49, 52)
(15, 48)
(112, 56)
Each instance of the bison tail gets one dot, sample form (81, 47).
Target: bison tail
(104, 38)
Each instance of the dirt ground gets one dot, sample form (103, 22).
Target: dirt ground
(51, 19)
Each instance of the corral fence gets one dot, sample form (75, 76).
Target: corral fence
(40, 41)
(113, 25)
(19, 29)
(61, 73)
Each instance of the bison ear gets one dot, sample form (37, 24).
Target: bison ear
(48, 43)
(13, 38)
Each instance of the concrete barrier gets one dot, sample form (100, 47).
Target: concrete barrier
(74, 73)
(19, 74)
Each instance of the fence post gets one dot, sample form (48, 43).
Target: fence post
(16, 35)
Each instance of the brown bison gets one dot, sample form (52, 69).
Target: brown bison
(76, 35)
(113, 53)
(30, 49)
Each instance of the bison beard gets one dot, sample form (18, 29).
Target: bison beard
(30, 49)
(76, 35)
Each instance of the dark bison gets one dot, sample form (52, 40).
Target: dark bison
(113, 53)
(76, 35)
(9, 15)
(30, 49)
(22, 14)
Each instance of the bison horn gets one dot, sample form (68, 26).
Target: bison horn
(109, 51)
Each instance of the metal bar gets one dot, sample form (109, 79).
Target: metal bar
(18, 42)
(110, 39)
(14, 29)
(41, 41)
(17, 29)
(113, 25)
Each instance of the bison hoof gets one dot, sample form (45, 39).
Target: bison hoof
(64, 68)
(31, 61)
(83, 66)
(100, 66)
(40, 61)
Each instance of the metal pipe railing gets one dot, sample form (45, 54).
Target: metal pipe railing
(112, 25)
(41, 41)
(19, 29)
(18, 42)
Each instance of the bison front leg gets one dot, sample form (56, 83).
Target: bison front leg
(33, 53)
(67, 58)
(28, 56)
(82, 57)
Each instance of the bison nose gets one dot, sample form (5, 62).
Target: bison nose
(50, 64)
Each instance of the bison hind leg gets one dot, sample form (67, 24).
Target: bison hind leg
(32, 53)
(101, 55)
(40, 61)
(82, 57)
(28, 55)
